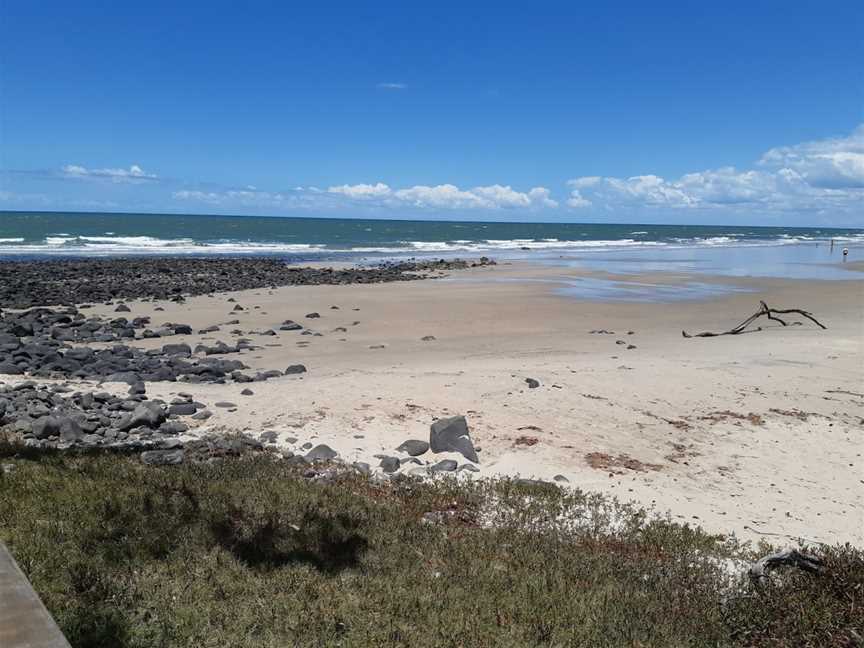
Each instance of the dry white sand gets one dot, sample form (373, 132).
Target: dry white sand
(760, 435)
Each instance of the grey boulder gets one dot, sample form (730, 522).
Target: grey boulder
(389, 464)
(321, 452)
(445, 465)
(147, 414)
(414, 447)
(451, 435)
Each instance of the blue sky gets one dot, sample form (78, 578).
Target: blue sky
(651, 112)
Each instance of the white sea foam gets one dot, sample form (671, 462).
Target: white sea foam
(62, 243)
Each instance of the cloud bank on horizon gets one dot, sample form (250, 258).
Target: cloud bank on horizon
(821, 180)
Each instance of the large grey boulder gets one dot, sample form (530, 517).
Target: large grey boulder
(70, 430)
(147, 414)
(45, 427)
(10, 368)
(452, 435)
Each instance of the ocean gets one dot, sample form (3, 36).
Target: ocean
(41, 233)
(718, 249)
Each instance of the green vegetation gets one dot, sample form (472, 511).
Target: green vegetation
(248, 552)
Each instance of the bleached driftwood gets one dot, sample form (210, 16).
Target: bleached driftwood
(790, 557)
(770, 313)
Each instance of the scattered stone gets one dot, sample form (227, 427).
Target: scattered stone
(312, 315)
(445, 465)
(413, 447)
(561, 478)
(362, 467)
(428, 338)
(389, 464)
(295, 369)
(225, 404)
(148, 414)
(321, 452)
(182, 409)
(247, 392)
(532, 383)
(452, 435)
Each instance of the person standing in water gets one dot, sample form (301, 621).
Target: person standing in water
(845, 254)
(832, 246)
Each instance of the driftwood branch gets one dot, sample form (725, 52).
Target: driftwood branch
(790, 557)
(764, 310)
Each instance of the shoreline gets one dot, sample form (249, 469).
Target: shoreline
(747, 434)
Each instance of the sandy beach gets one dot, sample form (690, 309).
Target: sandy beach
(759, 435)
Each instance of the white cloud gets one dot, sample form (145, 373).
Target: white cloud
(133, 174)
(362, 191)
(392, 86)
(447, 196)
(822, 175)
(836, 163)
(247, 197)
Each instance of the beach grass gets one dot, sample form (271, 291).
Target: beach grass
(249, 552)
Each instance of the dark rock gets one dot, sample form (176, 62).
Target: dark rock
(182, 409)
(362, 467)
(561, 478)
(312, 315)
(295, 369)
(173, 427)
(532, 384)
(270, 436)
(124, 376)
(122, 308)
(203, 415)
(177, 349)
(414, 447)
(321, 452)
(428, 338)
(389, 464)
(247, 392)
(469, 468)
(148, 414)
(10, 368)
(452, 435)
(70, 431)
(445, 465)
(225, 404)
(45, 427)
